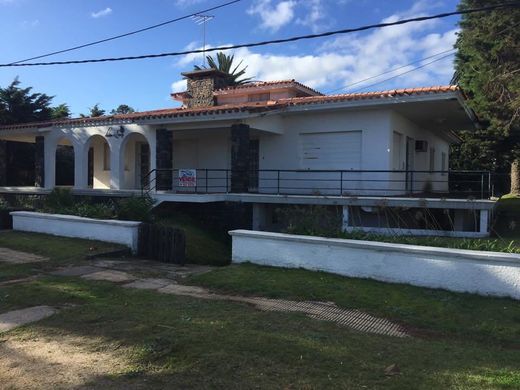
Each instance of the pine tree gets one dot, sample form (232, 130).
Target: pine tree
(487, 67)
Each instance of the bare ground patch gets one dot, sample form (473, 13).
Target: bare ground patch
(67, 362)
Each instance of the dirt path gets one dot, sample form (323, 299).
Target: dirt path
(55, 364)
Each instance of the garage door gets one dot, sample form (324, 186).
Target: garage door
(331, 150)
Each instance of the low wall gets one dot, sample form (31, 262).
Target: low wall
(486, 273)
(119, 232)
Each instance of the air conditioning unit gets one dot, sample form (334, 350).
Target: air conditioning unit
(421, 146)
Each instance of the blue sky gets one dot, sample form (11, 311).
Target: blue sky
(33, 27)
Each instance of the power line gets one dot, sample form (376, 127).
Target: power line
(128, 33)
(414, 69)
(403, 73)
(390, 71)
(276, 41)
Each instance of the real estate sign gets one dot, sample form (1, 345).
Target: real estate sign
(187, 177)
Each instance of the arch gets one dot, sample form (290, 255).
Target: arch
(98, 168)
(134, 160)
(64, 166)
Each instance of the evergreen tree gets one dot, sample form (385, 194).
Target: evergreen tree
(95, 111)
(20, 105)
(122, 109)
(487, 69)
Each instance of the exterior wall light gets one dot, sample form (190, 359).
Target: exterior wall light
(117, 132)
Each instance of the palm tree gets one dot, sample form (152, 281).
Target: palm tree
(224, 63)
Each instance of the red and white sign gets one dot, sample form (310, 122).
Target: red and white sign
(187, 177)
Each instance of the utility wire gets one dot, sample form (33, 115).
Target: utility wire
(390, 71)
(403, 73)
(276, 41)
(128, 33)
(416, 68)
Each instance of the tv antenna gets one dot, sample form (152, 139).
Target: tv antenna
(202, 19)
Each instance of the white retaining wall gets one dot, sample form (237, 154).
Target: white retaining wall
(119, 232)
(486, 273)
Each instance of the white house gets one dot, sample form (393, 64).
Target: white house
(260, 143)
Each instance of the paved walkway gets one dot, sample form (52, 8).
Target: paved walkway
(135, 274)
(112, 271)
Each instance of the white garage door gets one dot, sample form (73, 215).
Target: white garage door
(334, 150)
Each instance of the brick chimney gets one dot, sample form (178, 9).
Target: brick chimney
(201, 85)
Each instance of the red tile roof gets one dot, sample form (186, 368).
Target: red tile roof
(235, 108)
(274, 83)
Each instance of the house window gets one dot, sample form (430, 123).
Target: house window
(432, 159)
(106, 157)
(258, 97)
(443, 163)
(397, 151)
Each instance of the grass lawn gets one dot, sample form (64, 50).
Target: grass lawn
(463, 342)
(59, 250)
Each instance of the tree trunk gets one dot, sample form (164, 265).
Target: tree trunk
(515, 177)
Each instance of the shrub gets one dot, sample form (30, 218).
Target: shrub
(311, 220)
(135, 208)
(59, 201)
(96, 210)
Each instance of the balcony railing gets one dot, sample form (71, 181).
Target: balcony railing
(457, 184)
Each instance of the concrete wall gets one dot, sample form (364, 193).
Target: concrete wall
(439, 182)
(119, 232)
(285, 151)
(486, 273)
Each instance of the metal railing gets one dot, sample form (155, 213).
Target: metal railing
(457, 184)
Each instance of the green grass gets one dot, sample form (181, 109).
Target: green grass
(439, 312)
(463, 341)
(203, 246)
(190, 343)
(59, 250)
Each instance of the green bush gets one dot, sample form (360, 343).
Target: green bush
(93, 210)
(59, 201)
(311, 220)
(135, 208)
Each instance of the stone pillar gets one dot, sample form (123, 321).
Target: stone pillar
(164, 160)
(39, 161)
(3, 163)
(240, 158)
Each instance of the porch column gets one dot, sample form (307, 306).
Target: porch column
(117, 163)
(3, 163)
(239, 158)
(164, 159)
(39, 161)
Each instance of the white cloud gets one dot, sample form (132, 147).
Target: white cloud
(101, 13)
(27, 24)
(187, 3)
(347, 59)
(273, 16)
(315, 15)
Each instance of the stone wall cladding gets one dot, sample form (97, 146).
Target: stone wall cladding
(201, 93)
(240, 158)
(164, 153)
(3, 163)
(39, 161)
